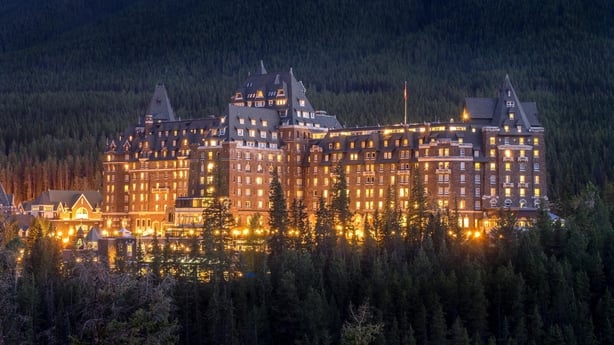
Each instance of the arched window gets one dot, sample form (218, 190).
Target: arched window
(523, 203)
(508, 203)
(81, 213)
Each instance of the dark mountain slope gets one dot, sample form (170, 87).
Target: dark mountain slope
(79, 73)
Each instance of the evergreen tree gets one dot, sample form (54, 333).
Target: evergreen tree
(324, 228)
(278, 217)
(418, 212)
(299, 223)
(438, 329)
(458, 334)
(340, 204)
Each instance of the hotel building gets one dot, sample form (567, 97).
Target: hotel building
(158, 172)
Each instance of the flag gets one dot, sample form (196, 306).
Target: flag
(405, 92)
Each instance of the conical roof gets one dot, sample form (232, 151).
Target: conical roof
(160, 105)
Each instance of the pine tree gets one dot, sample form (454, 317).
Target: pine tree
(340, 204)
(418, 212)
(324, 228)
(437, 329)
(299, 225)
(278, 217)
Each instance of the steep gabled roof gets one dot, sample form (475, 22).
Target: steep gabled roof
(67, 198)
(160, 105)
(496, 111)
(265, 87)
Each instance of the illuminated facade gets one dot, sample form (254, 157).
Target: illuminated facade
(157, 174)
(72, 213)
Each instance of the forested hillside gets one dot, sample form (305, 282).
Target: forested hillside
(433, 284)
(73, 74)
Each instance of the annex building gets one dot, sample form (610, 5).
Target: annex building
(158, 172)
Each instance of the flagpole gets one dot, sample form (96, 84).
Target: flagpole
(405, 99)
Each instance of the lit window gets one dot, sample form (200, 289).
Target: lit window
(536, 192)
(536, 179)
(508, 192)
(492, 140)
(493, 167)
(508, 166)
(536, 153)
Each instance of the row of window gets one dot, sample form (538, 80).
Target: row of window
(252, 133)
(260, 145)
(513, 140)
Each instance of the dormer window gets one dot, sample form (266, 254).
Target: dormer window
(509, 93)
(301, 102)
(509, 104)
(280, 92)
(259, 94)
(511, 116)
(239, 95)
(241, 120)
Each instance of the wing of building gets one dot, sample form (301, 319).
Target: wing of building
(158, 173)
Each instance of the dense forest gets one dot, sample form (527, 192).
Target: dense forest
(427, 282)
(73, 74)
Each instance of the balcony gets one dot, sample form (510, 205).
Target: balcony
(442, 171)
(508, 184)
